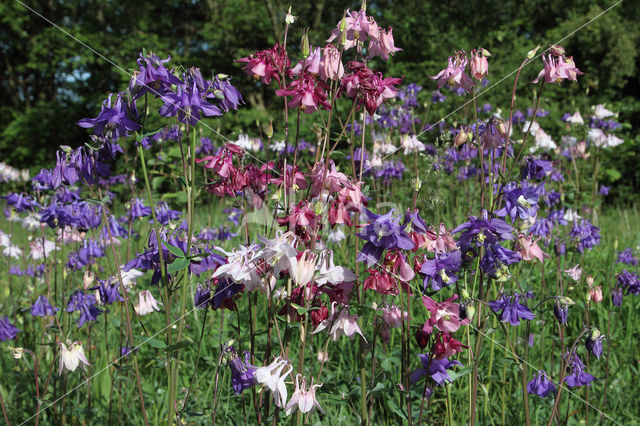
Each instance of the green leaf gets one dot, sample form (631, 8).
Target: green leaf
(178, 265)
(177, 346)
(155, 343)
(176, 251)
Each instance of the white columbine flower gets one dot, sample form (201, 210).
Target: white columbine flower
(330, 273)
(342, 324)
(71, 358)
(601, 112)
(272, 376)
(410, 143)
(147, 303)
(576, 118)
(240, 268)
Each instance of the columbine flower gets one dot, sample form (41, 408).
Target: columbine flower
(305, 268)
(511, 309)
(147, 303)
(593, 343)
(454, 74)
(595, 294)
(240, 268)
(342, 324)
(578, 377)
(303, 399)
(575, 273)
(557, 69)
(86, 304)
(435, 368)
(242, 373)
(442, 270)
(42, 308)
(520, 202)
(529, 248)
(307, 93)
(541, 385)
(626, 256)
(382, 233)
(479, 64)
(444, 316)
(600, 112)
(112, 122)
(272, 376)
(328, 272)
(7, 330)
(71, 358)
(561, 309)
(267, 64)
(393, 316)
(585, 235)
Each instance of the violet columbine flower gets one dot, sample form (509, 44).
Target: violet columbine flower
(382, 233)
(482, 231)
(138, 209)
(85, 304)
(511, 310)
(152, 76)
(42, 308)
(536, 168)
(108, 293)
(519, 202)
(497, 258)
(561, 309)
(7, 330)
(585, 235)
(434, 368)
(442, 270)
(113, 121)
(541, 384)
(578, 376)
(616, 296)
(223, 295)
(630, 281)
(626, 256)
(593, 343)
(20, 202)
(242, 373)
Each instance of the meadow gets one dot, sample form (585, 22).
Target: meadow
(427, 258)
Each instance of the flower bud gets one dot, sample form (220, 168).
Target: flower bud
(556, 50)
(305, 44)
(270, 129)
(460, 139)
(17, 352)
(532, 52)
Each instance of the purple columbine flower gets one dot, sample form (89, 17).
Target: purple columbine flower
(593, 343)
(86, 304)
(512, 311)
(42, 308)
(536, 168)
(541, 385)
(434, 368)
(630, 281)
(561, 309)
(437, 97)
(578, 377)
(442, 270)
(224, 292)
(89, 250)
(382, 233)
(520, 202)
(482, 231)
(626, 256)
(616, 296)
(152, 77)
(108, 293)
(112, 121)
(585, 235)
(202, 298)
(187, 104)
(138, 209)
(604, 190)
(7, 330)
(242, 373)
(20, 202)
(496, 256)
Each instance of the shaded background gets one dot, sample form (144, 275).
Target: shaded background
(49, 81)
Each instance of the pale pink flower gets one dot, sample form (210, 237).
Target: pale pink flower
(272, 376)
(529, 248)
(440, 242)
(479, 65)
(454, 74)
(384, 46)
(557, 69)
(341, 324)
(147, 303)
(595, 294)
(332, 67)
(303, 399)
(393, 316)
(575, 273)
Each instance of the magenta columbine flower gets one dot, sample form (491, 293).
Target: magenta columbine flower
(557, 69)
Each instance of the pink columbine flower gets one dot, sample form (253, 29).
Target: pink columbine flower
(352, 197)
(575, 273)
(384, 46)
(381, 282)
(307, 93)
(332, 179)
(446, 346)
(332, 67)
(454, 74)
(338, 214)
(303, 399)
(267, 64)
(444, 316)
(393, 316)
(479, 65)
(595, 294)
(147, 303)
(529, 248)
(557, 69)
(440, 242)
(342, 324)
(356, 27)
